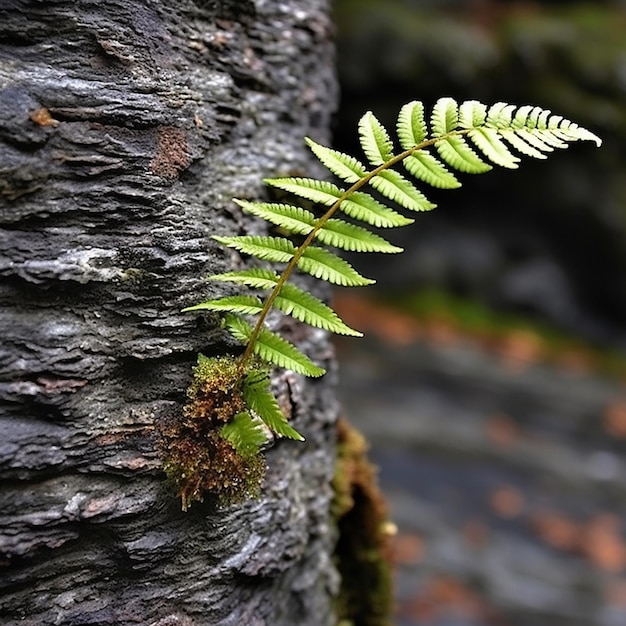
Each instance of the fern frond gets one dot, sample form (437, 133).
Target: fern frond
(245, 433)
(397, 188)
(460, 137)
(500, 115)
(312, 311)
(272, 348)
(487, 140)
(255, 277)
(455, 151)
(319, 191)
(340, 234)
(292, 300)
(549, 138)
(294, 219)
(531, 138)
(472, 114)
(493, 132)
(362, 206)
(336, 233)
(315, 261)
(329, 267)
(342, 165)
(275, 249)
(411, 126)
(445, 117)
(242, 304)
(262, 402)
(515, 139)
(375, 140)
(424, 166)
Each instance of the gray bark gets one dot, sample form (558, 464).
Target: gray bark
(125, 130)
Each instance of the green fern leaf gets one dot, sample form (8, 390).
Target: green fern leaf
(531, 138)
(336, 233)
(480, 121)
(276, 249)
(549, 138)
(237, 326)
(540, 117)
(472, 114)
(445, 117)
(573, 131)
(319, 191)
(539, 122)
(312, 311)
(242, 304)
(340, 234)
(261, 401)
(500, 115)
(521, 116)
(359, 205)
(272, 348)
(329, 267)
(514, 138)
(294, 219)
(424, 166)
(397, 188)
(452, 148)
(245, 433)
(342, 165)
(375, 140)
(411, 126)
(455, 151)
(412, 130)
(292, 300)
(489, 143)
(256, 277)
(362, 206)
(315, 261)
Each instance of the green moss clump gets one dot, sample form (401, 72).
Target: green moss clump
(197, 458)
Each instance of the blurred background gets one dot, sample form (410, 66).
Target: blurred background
(491, 382)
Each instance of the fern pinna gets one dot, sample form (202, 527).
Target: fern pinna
(463, 137)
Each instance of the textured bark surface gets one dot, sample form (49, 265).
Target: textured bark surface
(125, 129)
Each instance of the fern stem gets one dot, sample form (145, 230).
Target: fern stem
(291, 266)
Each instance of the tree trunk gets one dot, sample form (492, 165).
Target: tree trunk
(125, 130)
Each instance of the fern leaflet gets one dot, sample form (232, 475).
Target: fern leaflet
(261, 400)
(245, 433)
(272, 348)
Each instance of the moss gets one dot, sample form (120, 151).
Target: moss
(197, 458)
(362, 551)
(215, 393)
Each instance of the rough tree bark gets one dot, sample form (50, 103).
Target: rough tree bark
(125, 129)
